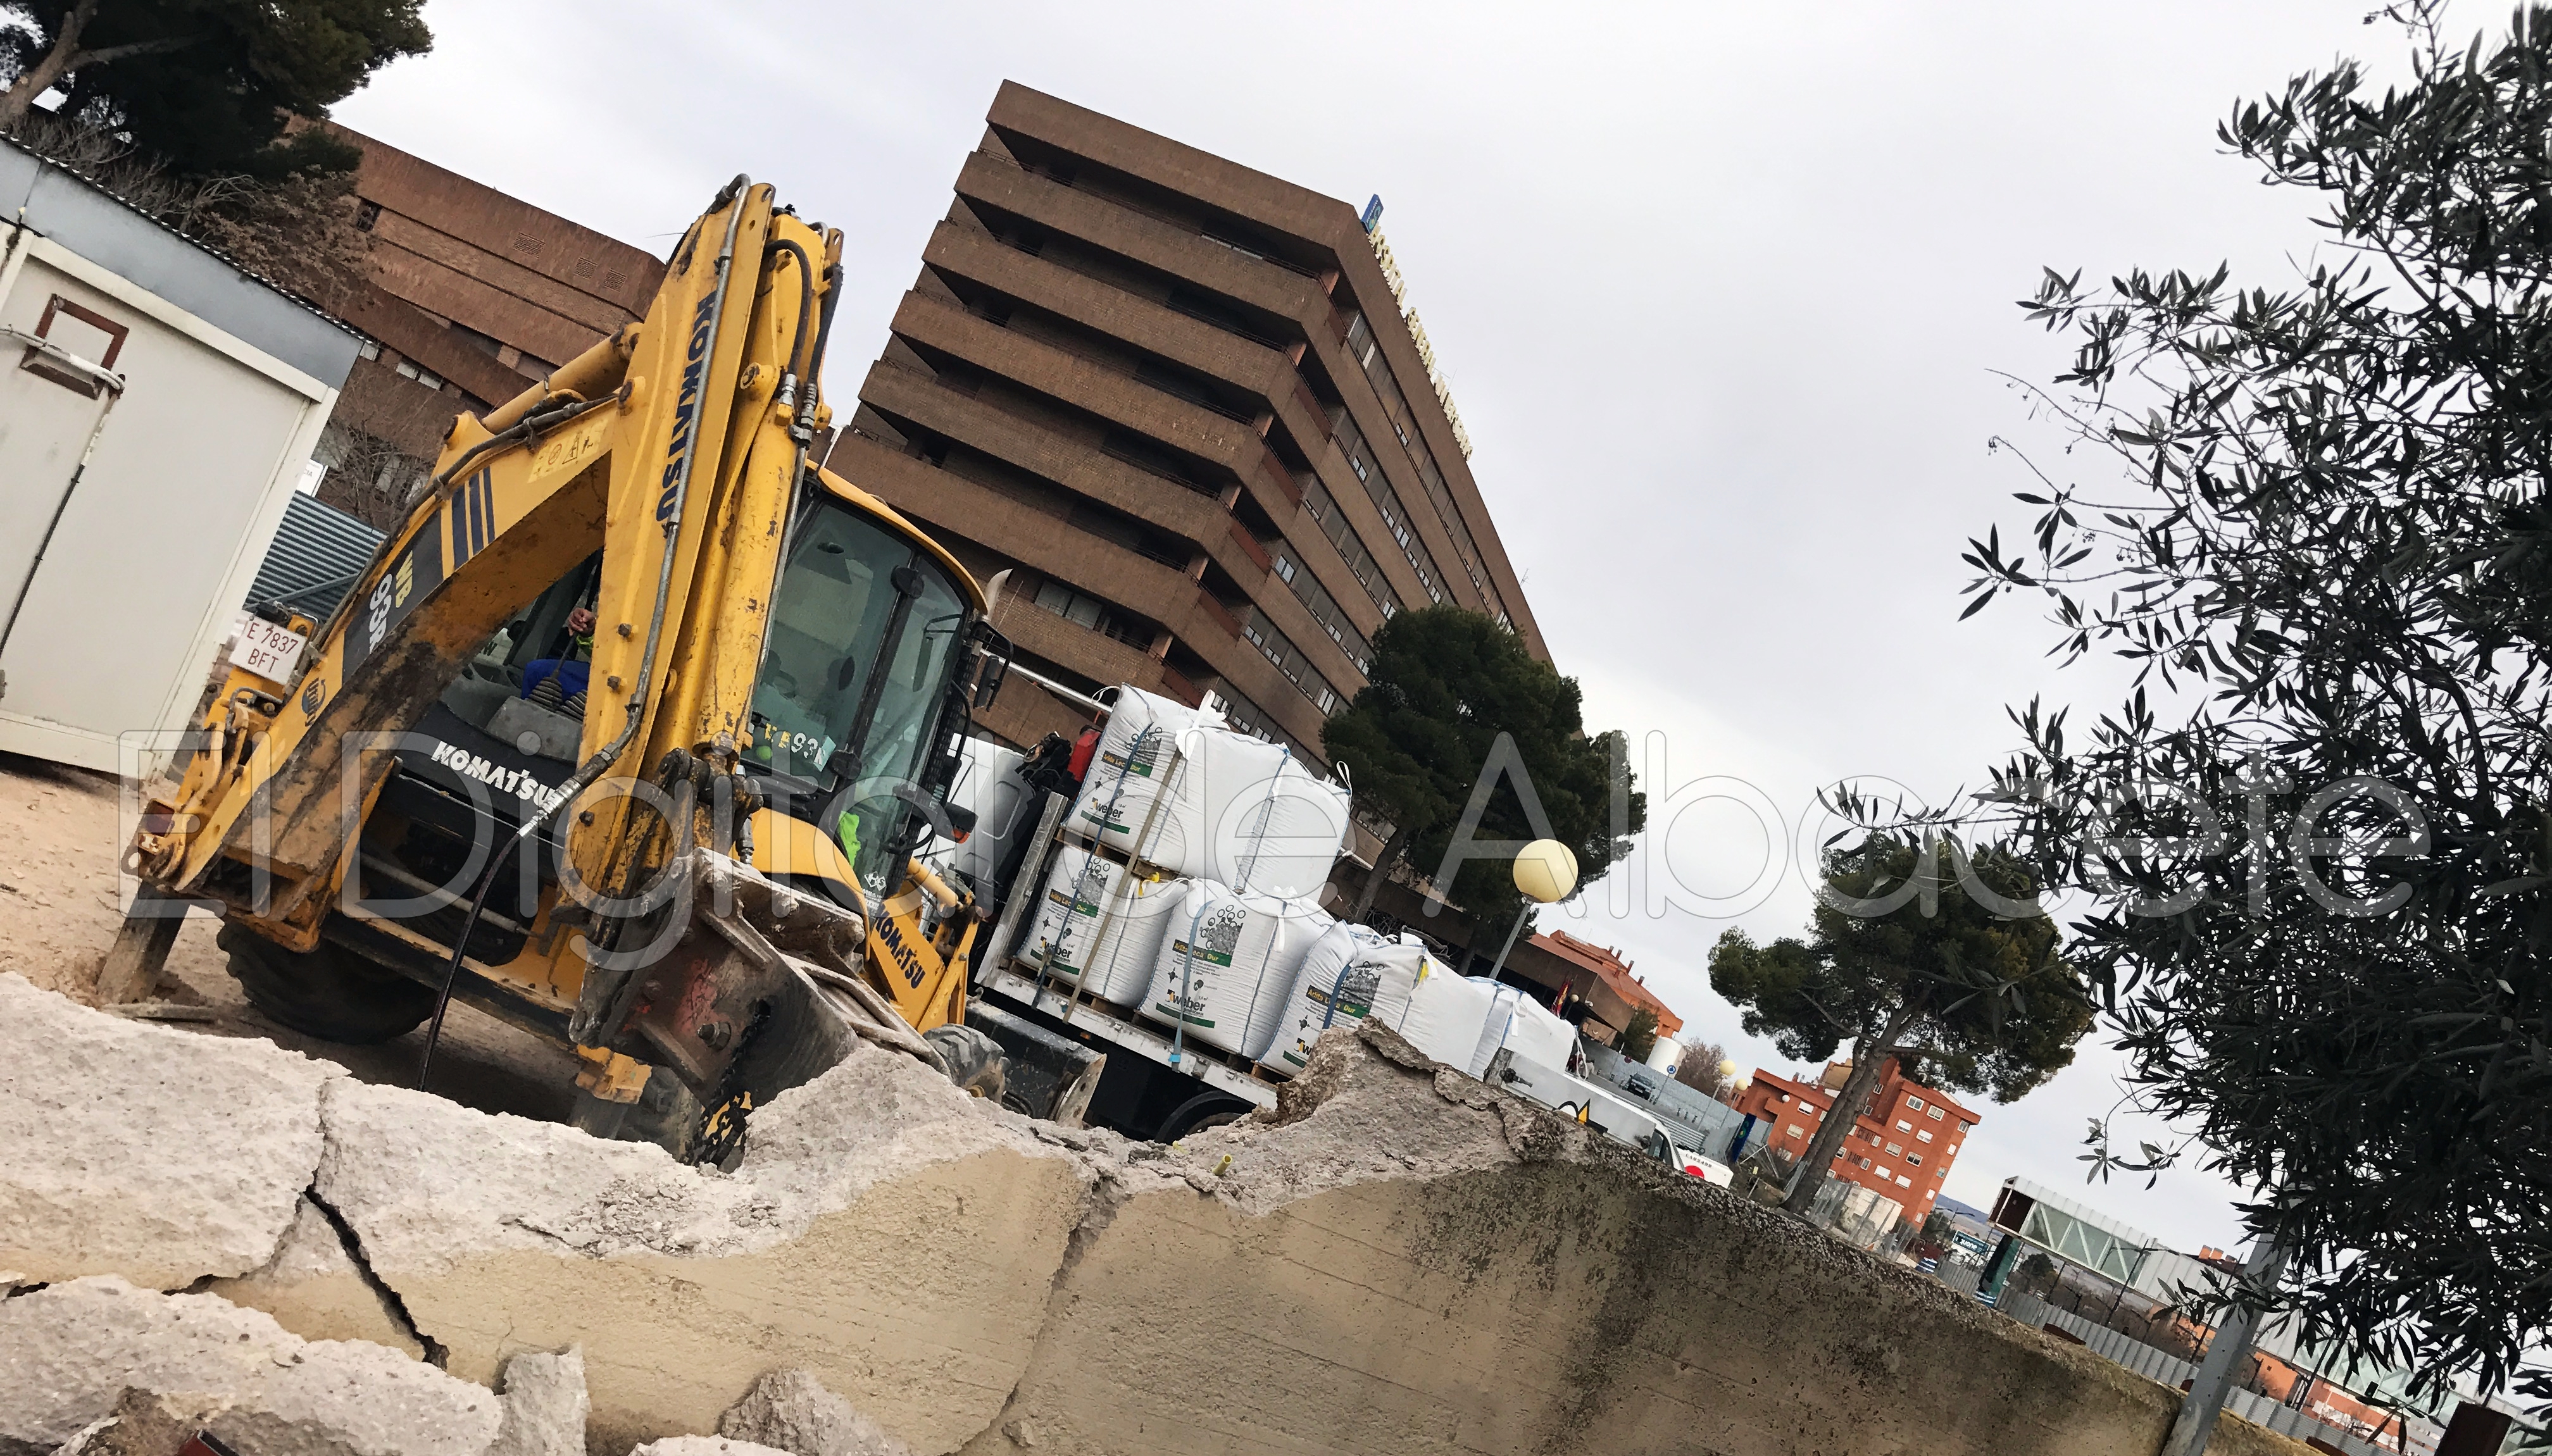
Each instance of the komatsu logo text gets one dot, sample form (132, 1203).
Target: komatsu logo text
(904, 959)
(686, 408)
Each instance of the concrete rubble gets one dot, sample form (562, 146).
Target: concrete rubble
(546, 1405)
(69, 1351)
(792, 1410)
(1397, 1259)
(145, 1151)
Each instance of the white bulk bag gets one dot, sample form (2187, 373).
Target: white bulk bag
(1283, 833)
(1098, 927)
(1350, 972)
(1213, 963)
(1538, 1036)
(1444, 1014)
(1128, 786)
(1493, 1028)
(1301, 926)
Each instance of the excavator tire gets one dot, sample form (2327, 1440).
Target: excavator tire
(975, 1061)
(330, 992)
(666, 1114)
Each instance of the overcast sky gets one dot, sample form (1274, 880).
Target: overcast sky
(1720, 289)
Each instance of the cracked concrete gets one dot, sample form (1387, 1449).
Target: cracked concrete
(69, 1351)
(136, 1150)
(1397, 1259)
(315, 1288)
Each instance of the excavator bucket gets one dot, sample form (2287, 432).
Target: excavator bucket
(1049, 1076)
(765, 988)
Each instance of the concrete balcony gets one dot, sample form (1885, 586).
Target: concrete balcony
(1190, 515)
(1101, 389)
(1253, 368)
(1180, 252)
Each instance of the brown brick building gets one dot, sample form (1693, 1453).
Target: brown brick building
(1178, 401)
(473, 294)
(1901, 1144)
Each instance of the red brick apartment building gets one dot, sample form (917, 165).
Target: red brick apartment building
(1178, 400)
(1902, 1145)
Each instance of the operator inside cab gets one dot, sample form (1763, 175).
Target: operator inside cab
(558, 682)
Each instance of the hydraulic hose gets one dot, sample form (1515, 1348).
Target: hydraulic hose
(605, 756)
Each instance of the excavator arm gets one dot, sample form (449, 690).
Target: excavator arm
(672, 448)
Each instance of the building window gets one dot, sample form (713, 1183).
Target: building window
(1894, 1149)
(1796, 1130)
(1904, 1127)
(1903, 1182)
(1882, 1172)
(1951, 1152)
(1935, 1114)
(1914, 1102)
(407, 369)
(370, 348)
(1091, 612)
(366, 215)
(1914, 1157)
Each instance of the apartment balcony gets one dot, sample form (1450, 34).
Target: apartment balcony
(1251, 367)
(1101, 389)
(1072, 464)
(1172, 247)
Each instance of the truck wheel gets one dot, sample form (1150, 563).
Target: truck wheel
(666, 1114)
(330, 992)
(975, 1061)
(1204, 1111)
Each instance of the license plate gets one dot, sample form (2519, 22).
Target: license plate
(269, 651)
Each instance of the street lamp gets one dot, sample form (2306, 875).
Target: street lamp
(1544, 873)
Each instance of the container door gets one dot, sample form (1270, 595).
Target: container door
(49, 408)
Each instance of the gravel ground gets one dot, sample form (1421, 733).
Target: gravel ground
(61, 832)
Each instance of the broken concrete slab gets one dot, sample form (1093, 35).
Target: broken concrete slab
(69, 1352)
(791, 1410)
(1519, 1286)
(886, 1232)
(164, 1156)
(702, 1446)
(314, 1287)
(1403, 1259)
(545, 1405)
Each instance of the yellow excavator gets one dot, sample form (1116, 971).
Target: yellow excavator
(634, 734)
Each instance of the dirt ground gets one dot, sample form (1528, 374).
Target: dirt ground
(60, 831)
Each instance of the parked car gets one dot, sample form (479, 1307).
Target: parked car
(1641, 1086)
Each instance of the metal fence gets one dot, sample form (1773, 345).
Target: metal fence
(2168, 1369)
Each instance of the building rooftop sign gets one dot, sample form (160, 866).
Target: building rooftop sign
(1408, 316)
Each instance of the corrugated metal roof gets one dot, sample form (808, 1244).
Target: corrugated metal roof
(317, 553)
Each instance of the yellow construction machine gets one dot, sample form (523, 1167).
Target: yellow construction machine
(630, 735)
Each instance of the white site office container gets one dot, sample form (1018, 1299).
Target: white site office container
(158, 409)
